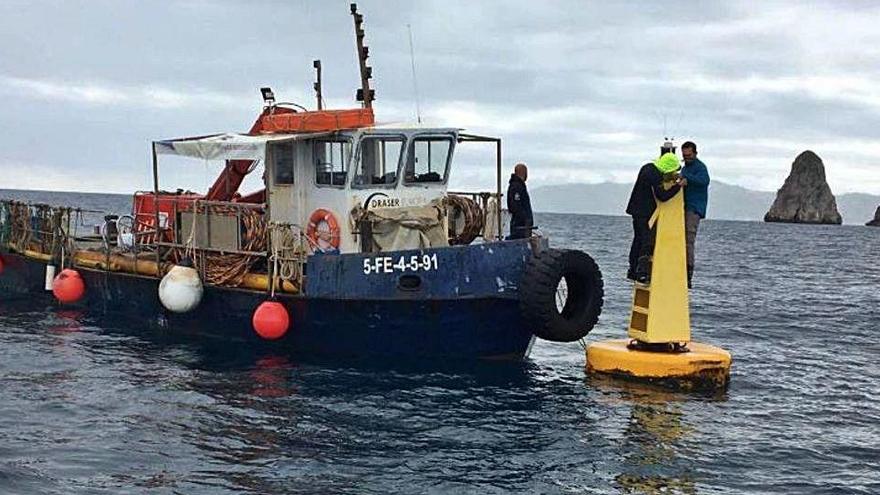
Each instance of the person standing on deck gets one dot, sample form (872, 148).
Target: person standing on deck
(518, 204)
(642, 203)
(695, 179)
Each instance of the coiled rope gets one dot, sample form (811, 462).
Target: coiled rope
(462, 208)
(289, 250)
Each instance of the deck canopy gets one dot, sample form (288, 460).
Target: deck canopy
(226, 146)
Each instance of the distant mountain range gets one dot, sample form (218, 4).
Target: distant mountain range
(726, 201)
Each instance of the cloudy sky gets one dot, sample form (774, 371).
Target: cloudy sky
(582, 91)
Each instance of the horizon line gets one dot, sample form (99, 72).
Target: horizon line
(536, 187)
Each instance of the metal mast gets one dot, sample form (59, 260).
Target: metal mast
(365, 94)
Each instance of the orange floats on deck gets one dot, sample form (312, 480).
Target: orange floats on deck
(271, 320)
(324, 239)
(68, 286)
(320, 121)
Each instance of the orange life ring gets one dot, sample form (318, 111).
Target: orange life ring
(332, 237)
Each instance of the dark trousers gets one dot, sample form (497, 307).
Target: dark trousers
(520, 231)
(642, 243)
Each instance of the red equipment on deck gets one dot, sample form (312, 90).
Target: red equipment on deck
(144, 207)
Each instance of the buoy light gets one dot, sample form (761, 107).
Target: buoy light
(68, 286)
(271, 320)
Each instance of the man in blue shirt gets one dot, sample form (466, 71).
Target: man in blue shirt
(695, 179)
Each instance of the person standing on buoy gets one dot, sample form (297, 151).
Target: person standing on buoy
(695, 179)
(642, 203)
(519, 204)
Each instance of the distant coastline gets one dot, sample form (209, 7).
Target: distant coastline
(726, 201)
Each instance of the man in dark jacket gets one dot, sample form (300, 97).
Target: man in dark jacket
(518, 203)
(642, 204)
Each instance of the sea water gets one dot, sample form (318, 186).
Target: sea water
(114, 408)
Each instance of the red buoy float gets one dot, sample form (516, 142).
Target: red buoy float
(1, 265)
(271, 320)
(68, 286)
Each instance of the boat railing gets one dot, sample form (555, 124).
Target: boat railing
(56, 235)
(44, 231)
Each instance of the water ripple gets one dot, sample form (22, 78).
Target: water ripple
(87, 407)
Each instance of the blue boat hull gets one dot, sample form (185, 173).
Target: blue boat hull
(468, 309)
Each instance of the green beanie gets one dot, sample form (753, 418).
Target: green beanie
(667, 163)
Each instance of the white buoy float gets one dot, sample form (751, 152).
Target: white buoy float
(181, 288)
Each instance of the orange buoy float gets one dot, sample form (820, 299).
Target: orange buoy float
(324, 239)
(271, 320)
(68, 286)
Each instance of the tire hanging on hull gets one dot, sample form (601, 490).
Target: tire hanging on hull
(577, 311)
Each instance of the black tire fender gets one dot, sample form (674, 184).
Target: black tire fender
(538, 292)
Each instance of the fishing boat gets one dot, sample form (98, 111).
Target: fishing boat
(353, 246)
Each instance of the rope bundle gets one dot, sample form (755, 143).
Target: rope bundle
(289, 251)
(227, 268)
(472, 214)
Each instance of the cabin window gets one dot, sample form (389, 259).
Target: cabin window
(331, 161)
(378, 160)
(282, 156)
(428, 160)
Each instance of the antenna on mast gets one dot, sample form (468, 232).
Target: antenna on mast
(365, 94)
(412, 57)
(317, 65)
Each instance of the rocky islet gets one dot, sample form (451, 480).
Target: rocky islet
(805, 197)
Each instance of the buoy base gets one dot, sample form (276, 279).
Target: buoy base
(703, 367)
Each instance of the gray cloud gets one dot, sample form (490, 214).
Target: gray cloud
(579, 89)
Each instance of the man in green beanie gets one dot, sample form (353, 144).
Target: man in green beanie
(642, 203)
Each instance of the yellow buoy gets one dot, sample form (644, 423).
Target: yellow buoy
(700, 367)
(659, 348)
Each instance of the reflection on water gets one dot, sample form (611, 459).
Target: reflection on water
(655, 436)
(270, 376)
(65, 321)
